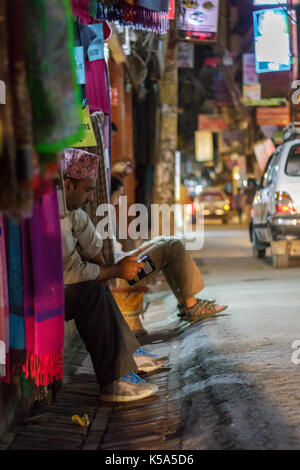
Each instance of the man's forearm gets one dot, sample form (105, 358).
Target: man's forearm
(107, 272)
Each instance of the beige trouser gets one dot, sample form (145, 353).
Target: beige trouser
(169, 255)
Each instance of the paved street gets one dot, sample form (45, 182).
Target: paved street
(240, 387)
(231, 383)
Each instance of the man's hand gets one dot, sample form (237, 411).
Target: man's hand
(129, 267)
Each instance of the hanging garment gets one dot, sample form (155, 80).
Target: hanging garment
(43, 291)
(4, 309)
(56, 100)
(15, 295)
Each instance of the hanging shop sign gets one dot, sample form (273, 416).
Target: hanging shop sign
(272, 40)
(88, 139)
(204, 146)
(198, 20)
(185, 55)
(211, 122)
(250, 76)
(277, 116)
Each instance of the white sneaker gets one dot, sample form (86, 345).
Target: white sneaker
(148, 362)
(129, 388)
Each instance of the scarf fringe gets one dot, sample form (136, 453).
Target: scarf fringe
(43, 369)
(134, 16)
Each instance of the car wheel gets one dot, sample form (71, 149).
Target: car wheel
(280, 261)
(259, 251)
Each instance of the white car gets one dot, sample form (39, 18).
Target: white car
(215, 202)
(276, 206)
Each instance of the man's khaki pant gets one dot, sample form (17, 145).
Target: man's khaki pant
(169, 255)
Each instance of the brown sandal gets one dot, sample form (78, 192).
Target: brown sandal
(202, 310)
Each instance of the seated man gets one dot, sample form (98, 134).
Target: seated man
(114, 350)
(169, 255)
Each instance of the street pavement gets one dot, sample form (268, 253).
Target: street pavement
(232, 381)
(241, 389)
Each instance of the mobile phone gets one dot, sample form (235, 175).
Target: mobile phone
(148, 268)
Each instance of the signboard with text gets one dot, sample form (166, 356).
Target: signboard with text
(277, 116)
(211, 122)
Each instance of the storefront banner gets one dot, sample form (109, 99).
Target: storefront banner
(277, 116)
(211, 122)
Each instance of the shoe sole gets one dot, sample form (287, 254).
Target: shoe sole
(153, 368)
(120, 399)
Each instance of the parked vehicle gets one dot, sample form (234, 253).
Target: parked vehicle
(276, 207)
(216, 204)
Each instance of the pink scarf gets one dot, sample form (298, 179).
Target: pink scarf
(43, 291)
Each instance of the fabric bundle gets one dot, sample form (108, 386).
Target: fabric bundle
(4, 309)
(43, 292)
(139, 14)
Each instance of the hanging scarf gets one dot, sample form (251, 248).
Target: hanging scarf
(55, 97)
(43, 292)
(15, 295)
(4, 309)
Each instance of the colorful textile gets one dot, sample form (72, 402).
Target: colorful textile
(43, 291)
(80, 165)
(96, 90)
(4, 308)
(15, 287)
(51, 75)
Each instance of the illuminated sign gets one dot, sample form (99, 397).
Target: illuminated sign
(272, 40)
(269, 2)
(198, 20)
(204, 146)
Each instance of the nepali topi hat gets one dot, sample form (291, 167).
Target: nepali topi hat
(79, 164)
